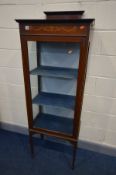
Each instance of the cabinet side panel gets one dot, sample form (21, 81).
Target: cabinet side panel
(26, 80)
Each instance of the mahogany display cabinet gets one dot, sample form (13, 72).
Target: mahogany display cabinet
(54, 57)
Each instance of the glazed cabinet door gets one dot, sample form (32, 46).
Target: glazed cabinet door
(54, 72)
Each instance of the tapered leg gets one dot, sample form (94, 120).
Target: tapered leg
(31, 144)
(42, 136)
(74, 154)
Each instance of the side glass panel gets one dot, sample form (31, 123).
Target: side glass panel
(53, 76)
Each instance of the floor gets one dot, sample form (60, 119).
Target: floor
(50, 158)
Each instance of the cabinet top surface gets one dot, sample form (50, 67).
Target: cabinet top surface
(51, 21)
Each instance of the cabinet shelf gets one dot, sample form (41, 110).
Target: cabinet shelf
(55, 72)
(56, 100)
(54, 123)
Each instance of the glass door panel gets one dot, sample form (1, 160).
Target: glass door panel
(53, 76)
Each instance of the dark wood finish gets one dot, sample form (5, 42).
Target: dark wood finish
(74, 154)
(39, 78)
(44, 21)
(64, 15)
(31, 143)
(50, 30)
(56, 29)
(50, 38)
(25, 62)
(54, 134)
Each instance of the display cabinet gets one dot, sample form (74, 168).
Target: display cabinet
(54, 56)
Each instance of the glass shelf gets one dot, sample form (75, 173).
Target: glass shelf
(57, 100)
(54, 123)
(55, 72)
